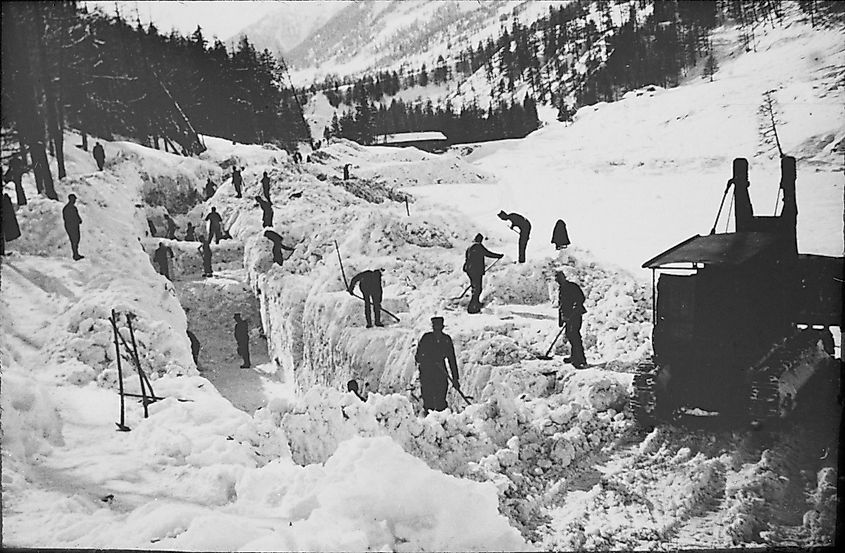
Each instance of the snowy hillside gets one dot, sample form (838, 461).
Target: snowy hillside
(378, 35)
(280, 457)
(288, 24)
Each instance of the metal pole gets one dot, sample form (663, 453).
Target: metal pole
(716, 222)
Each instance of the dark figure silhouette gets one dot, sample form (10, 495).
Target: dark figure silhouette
(9, 229)
(352, 386)
(560, 238)
(162, 257)
(266, 211)
(153, 229)
(518, 221)
(195, 347)
(265, 187)
(215, 225)
(237, 181)
(190, 233)
(15, 174)
(242, 339)
(474, 268)
(370, 284)
(570, 312)
(99, 155)
(346, 171)
(72, 222)
(209, 189)
(278, 246)
(171, 227)
(205, 250)
(434, 350)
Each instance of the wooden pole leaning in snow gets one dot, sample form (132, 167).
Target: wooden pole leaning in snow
(346, 283)
(121, 426)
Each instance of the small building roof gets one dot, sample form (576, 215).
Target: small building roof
(399, 138)
(730, 249)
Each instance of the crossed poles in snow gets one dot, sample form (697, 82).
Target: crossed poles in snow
(147, 394)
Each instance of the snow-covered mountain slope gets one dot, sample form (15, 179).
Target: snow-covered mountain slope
(288, 24)
(380, 34)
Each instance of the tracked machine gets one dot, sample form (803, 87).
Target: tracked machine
(741, 319)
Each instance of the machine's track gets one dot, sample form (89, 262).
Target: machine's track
(778, 377)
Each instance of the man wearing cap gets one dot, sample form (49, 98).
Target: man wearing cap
(570, 311)
(372, 292)
(518, 221)
(434, 349)
(72, 222)
(242, 338)
(474, 268)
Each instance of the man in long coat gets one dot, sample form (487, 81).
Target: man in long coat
(433, 352)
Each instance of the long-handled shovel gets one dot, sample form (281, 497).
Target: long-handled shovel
(464, 293)
(466, 398)
(548, 357)
(346, 283)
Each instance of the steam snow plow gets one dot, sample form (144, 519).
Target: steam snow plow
(741, 320)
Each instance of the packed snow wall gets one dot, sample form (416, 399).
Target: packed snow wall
(315, 327)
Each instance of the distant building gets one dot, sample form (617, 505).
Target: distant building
(430, 141)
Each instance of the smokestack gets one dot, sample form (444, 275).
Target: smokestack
(744, 210)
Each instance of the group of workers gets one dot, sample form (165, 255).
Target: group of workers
(435, 350)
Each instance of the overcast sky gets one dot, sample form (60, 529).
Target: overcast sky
(221, 18)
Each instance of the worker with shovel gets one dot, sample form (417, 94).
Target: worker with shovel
(370, 284)
(570, 311)
(434, 350)
(474, 268)
(517, 221)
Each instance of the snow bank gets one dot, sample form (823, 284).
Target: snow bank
(372, 495)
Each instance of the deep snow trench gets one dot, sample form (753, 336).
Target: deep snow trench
(281, 458)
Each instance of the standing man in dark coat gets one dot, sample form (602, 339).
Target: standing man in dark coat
(171, 227)
(570, 312)
(266, 211)
(265, 187)
(15, 174)
(434, 350)
(72, 222)
(242, 338)
(162, 257)
(474, 268)
(237, 181)
(190, 233)
(560, 238)
(209, 189)
(215, 225)
(371, 290)
(99, 155)
(205, 250)
(346, 171)
(278, 246)
(10, 230)
(518, 221)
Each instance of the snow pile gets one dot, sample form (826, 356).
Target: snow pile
(397, 167)
(372, 495)
(519, 445)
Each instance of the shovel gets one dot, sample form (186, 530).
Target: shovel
(548, 357)
(464, 293)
